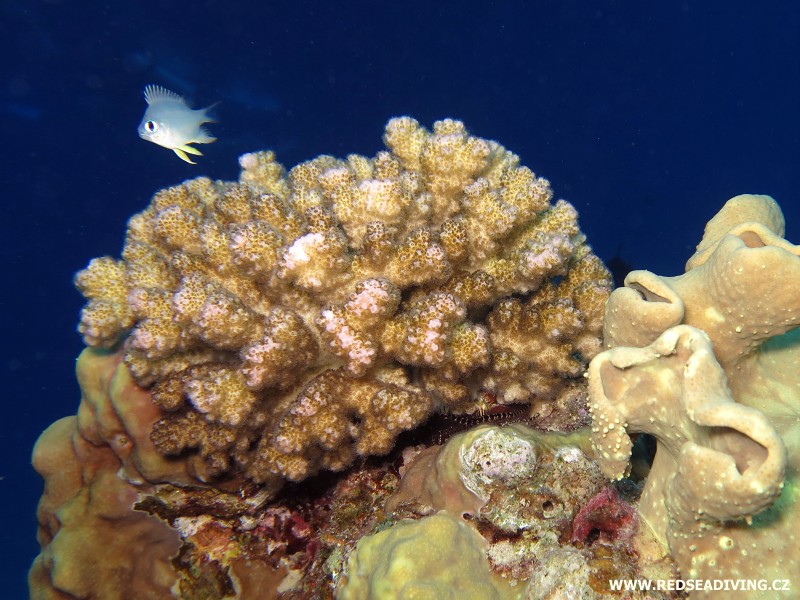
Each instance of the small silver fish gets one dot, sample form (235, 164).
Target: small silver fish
(169, 122)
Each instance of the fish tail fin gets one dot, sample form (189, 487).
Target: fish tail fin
(190, 149)
(182, 155)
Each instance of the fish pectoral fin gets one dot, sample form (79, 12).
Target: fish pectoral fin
(190, 149)
(182, 155)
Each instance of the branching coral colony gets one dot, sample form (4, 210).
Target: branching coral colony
(290, 322)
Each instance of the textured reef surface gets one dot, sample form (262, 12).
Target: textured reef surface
(370, 378)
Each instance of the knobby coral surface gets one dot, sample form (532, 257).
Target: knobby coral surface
(92, 465)
(291, 322)
(438, 556)
(709, 363)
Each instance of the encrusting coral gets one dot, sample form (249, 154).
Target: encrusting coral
(92, 465)
(289, 323)
(709, 364)
(438, 556)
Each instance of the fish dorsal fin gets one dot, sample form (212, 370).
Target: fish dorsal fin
(156, 93)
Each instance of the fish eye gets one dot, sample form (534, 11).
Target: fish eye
(151, 126)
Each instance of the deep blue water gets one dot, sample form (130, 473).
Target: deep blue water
(646, 116)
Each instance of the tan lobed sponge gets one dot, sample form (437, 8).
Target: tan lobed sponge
(709, 364)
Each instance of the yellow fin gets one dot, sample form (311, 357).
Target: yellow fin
(190, 149)
(182, 155)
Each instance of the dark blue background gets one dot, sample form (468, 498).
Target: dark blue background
(646, 116)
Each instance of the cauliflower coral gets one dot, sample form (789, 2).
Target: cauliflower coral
(291, 322)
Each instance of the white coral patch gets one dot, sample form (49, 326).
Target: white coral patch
(497, 454)
(358, 350)
(248, 161)
(380, 199)
(301, 251)
(372, 298)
